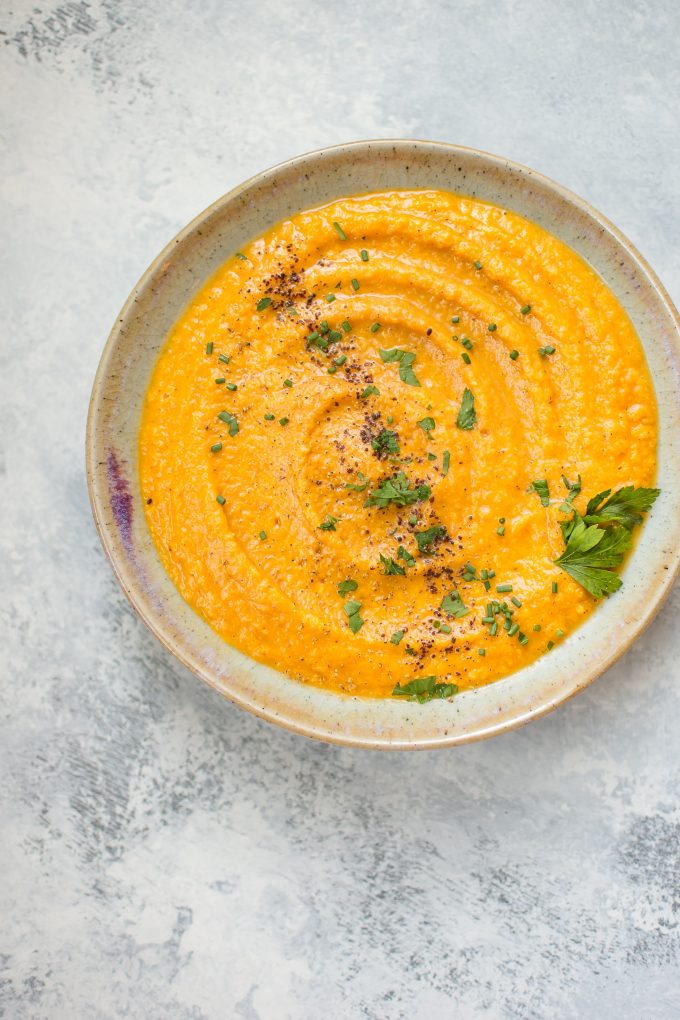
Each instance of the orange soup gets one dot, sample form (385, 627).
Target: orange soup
(375, 430)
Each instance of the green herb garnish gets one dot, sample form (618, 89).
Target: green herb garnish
(328, 523)
(405, 359)
(231, 420)
(397, 636)
(424, 688)
(345, 587)
(452, 605)
(386, 442)
(625, 507)
(427, 538)
(405, 555)
(397, 490)
(339, 231)
(352, 611)
(364, 484)
(263, 303)
(540, 487)
(390, 566)
(370, 391)
(427, 425)
(467, 416)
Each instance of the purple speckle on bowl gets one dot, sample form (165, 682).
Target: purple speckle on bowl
(121, 498)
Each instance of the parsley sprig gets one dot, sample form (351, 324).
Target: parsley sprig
(596, 543)
(397, 490)
(424, 688)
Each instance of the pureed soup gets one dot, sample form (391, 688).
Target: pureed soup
(398, 445)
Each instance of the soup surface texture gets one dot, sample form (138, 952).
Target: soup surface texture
(359, 438)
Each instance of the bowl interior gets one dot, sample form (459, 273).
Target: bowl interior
(140, 332)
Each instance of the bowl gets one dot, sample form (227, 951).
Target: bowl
(141, 329)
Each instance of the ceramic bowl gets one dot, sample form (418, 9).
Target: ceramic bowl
(139, 333)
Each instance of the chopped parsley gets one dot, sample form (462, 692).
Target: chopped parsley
(452, 605)
(352, 611)
(397, 636)
(446, 462)
(370, 391)
(426, 539)
(386, 442)
(328, 523)
(467, 416)
(362, 486)
(427, 425)
(398, 491)
(345, 587)
(391, 566)
(540, 487)
(405, 555)
(423, 689)
(263, 303)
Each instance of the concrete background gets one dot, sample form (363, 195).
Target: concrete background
(162, 854)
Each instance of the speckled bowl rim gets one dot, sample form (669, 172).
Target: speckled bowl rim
(100, 497)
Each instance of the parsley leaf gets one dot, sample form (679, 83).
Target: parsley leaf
(364, 483)
(591, 555)
(427, 425)
(625, 507)
(405, 359)
(397, 636)
(427, 538)
(385, 442)
(423, 689)
(540, 487)
(398, 491)
(405, 555)
(369, 392)
(345, 587)
(391, 566)
(467, 416)
(453, 605)
(573, 488)
(328, 523)
(352, 611)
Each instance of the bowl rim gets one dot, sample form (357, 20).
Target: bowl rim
(535, 711)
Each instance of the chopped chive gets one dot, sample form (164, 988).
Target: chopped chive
(523, 639)
(525, 309)
(455, 319)
(390, 419)
(375, 327)
(324, 327)
(232, 386)
(312, 337)
(537, 627)
(283, 421)
(466, 357)
(340, 361)
(364, 255)
(514, 355)
(221, 500)
(500, 530)
(332, 369)
(263, 303)
(413, 521)
(339, 231)
(513, 629)
(444, 628)
(216, 447)
(551, 644)
(346, 326)
(263, 535)
(545, 351)
(492, 327)
(516, 602)
(493, 629)
(355, 284)
(330, 297)
(559, 633)
(269, 417)
(487, 619)
(241, 256)
(288, 382)
(554, 587)
(220, 380)
(209, 347)
(224, 358)
(467, 343)
(487, 585)
(503, 587)
(446, 461)
(477, 264)
(481, 651)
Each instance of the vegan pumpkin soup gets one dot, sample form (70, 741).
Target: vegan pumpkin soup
(398, 445)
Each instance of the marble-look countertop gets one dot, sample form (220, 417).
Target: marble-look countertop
(162, 853)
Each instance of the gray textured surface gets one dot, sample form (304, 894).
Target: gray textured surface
(162, 854)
